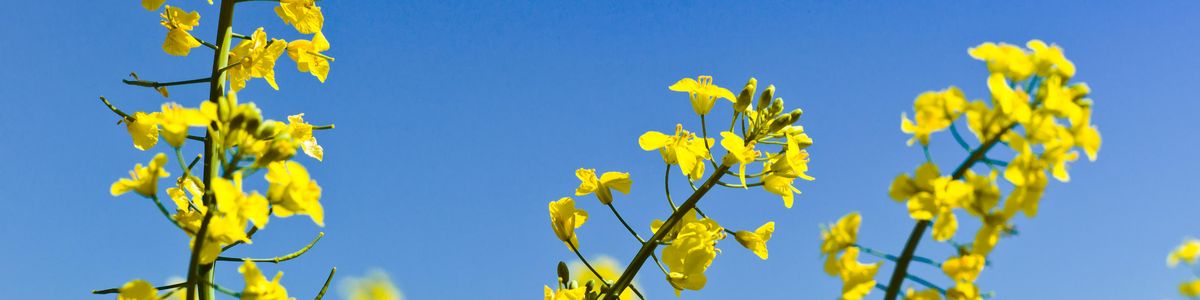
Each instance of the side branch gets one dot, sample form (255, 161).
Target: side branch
(278, 259)
(156, 84)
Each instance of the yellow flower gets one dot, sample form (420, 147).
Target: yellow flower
(740, 152)
(152, 5)
(934, 112)
(308, 57)
(683, 149)
(781, 186)
(688, 218)
(1049, 59)
(986, 193)
(137, 290)
(564, 218)
(756, 241)
(927, 294)
(236, 204)
(305, 15)
(964, 268)
(963, 291)
(1190, 288)
(989, 234)
(841, 235)
(930, 195)
(257, 286)
(303, 132)
(175, 120)
(1005, 59)
(179, 42)
(1086, 136)
(577, 293)
(858, 279)
(255, 58)
(1027, 173)
(292, 192)
(607, 267)
(689, 255)
(143, 180)
(702, 92)
(1186, 252)
(602, 186)
(375, 286)
(143, 128)
(1061, 100)
(1013, 103)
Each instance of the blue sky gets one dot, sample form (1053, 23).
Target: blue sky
(457, 123)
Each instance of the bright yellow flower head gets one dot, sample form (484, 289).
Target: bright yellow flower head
(688, 217)
(931, 195)
(858, 279)
(756, 241)
(305, 15)
(927, 294)
(602, 186)
(986, 193)
(1186, 252)
(689, 255)
(1049, 59)
(1027, 173)
(989, 234)
(841, 235)
(303, 133)
(1190, 288)
(237, 205)
(1086, 136)
(702, 92)
(564, 218)
(143, 129)
(291, 191)
(607, 267)
(683, 149)
(740, 152)
(138, 290)
(781, 186)
(257, 286)
(375, 286)
(578, 293)
(1013, 103)
(175, 120)
(1005, 59)
(143, 180)
(963, 291)
(255, 58)
(179, 41)
(308, 57)
(934, 112)
(964, 268)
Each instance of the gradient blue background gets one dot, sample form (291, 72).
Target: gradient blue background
(458, 122)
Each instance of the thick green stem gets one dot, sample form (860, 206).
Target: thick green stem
(649, 246)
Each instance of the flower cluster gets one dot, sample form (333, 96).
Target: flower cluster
(1187, 253)
(690, 236)
(1035, 110)
(212, 207)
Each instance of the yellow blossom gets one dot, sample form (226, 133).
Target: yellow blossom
(1049, 59)
(179, 41)
(702, 92)
(564, 218)
(986, 193)
(254, 58)
(308, 57)
(1005, 59)
(375, 286)
(1190, 288)
(840, 235)
(137, 290)
(930, 195)
(578, 293)
(602, 186)
(305, 15)
(143, 180)
(989, 234)
(303, 133)
(689, 255)
(1186, 252)
(858, 279)
(683, 148)
(1027, 173)
(756, 241)
(152, 5)
(963, 291)
(257, 286)
(964, 268)
(934, 112)
(1013, 103)
(781, 186)
(175, 120)
(927, 294)
(143, 128)
(292, 192)
(1086, 136)
(740, 152)
(688, 217)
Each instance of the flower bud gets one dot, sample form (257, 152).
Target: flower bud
(279, 149)
(779, 122)
(747, 95)
(776, 107)
(564, 274)
(765, 98)
(270, 129)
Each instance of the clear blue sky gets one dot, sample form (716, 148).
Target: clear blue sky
(458, 122)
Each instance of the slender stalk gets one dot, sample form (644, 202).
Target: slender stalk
(910, 247)
(326, 286)
(648, 247)
(118, 290)
(667, 187)
(278, 259)
(635, 235)
(200, 274)
(155, 84)
(594, 272)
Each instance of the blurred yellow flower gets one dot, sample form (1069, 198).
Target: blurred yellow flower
(143, 129)
(858, 279)
(1190, 288)
(376, 285)
(607, 267)
(935, 111)
(303, 133)
(305, 15)
(257, 286)
(175, 120)
(964, 268)
(1004, 59)
(138, 290)
(577, 293)
(1186, 253)
(927, 294)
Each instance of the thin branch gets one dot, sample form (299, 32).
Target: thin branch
(326, 286)
(278, 259)
(115, 110)
(118, 290)
(156, 84)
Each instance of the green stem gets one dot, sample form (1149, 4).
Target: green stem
(278, 259)
(648, 248)
(155, 84)
(114, 109)
(667, 187)
(118, 290)
(323, 127)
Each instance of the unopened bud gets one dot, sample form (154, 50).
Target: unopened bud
(765, 98)
(747, 95)
(776, 107)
